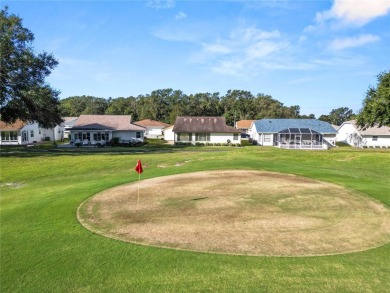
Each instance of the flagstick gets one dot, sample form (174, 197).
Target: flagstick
(139, 179)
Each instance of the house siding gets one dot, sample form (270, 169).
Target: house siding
(381, 141)
(214, 138)
(153, 131)
(168, 134)
(128, 135)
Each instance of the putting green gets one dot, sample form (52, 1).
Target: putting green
(240, 212)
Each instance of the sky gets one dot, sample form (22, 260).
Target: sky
(318, 54)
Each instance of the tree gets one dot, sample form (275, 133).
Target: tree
(337, 116)
(77, 105)
(123, 106)
(24, 94)
(376, 105)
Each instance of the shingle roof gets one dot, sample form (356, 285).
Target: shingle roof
(13, 126)
(202, 125)
(106, 122)
(375, 130)
(244, 124)
(150, 122)
(276, 125)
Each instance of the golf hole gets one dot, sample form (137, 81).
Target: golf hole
(239, 212)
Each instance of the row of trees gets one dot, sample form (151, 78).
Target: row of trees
(25, 95)
(166, 104)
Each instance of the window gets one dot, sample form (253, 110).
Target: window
(184, 137)
(86, 135)
(138, 134)
(9, 136)
(32, 133)
(202, 137)
(77, 135)
(235, 136)
(267, 138)
(40, 131)
(374, 138)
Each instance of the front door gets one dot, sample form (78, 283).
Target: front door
(24, 136)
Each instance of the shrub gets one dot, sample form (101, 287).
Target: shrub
(114, 141)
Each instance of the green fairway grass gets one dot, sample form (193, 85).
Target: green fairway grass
(45, 249)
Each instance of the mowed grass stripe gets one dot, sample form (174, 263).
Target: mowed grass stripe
(45, 249)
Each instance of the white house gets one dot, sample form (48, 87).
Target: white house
(154, 129)
(168, 134)
(244, 126)
(204, 130)
(293, 133)
(91, 129)
(355, 136)
(22, 133)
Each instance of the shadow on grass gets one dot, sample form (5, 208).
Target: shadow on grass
(23, 152)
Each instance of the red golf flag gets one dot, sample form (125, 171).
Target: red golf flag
(138, 168)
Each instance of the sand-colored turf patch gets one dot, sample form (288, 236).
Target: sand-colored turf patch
(240, 212)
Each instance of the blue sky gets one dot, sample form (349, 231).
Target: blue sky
(318, 54)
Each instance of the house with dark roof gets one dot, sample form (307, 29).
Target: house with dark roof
(294, 133)
(93, 129)
(204, 130)
(375, 137)
(154, 129)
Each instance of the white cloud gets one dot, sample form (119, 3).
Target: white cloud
(216, 49)
(352, 42)
(180, 15)
(242, 50)
(160, 4)
(263, 49)
(251, 34)
(355, 12)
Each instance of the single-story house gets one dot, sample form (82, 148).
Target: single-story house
(154, 129)
(355, 136)
(23, 133)
(244, 126)
(93, 129)
(168, 133)
(294, 133)
(204, 130)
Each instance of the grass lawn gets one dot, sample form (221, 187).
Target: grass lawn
(45, 249)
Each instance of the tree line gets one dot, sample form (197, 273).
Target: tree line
(166, 104)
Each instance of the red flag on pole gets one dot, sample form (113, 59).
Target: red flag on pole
(138, 168)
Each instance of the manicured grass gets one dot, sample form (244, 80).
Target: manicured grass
(45, 249)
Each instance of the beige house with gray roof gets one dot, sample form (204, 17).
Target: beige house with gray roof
(204, 130)
(93, 129)
(376, 137)
(154, 129)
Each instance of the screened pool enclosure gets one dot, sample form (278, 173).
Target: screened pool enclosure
(299, 138)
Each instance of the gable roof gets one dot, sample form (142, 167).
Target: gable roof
(13, 126)
(244, 124)
(106, 122)
(375, 130)
(203, 125)
(150, 122)
(277, 125)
